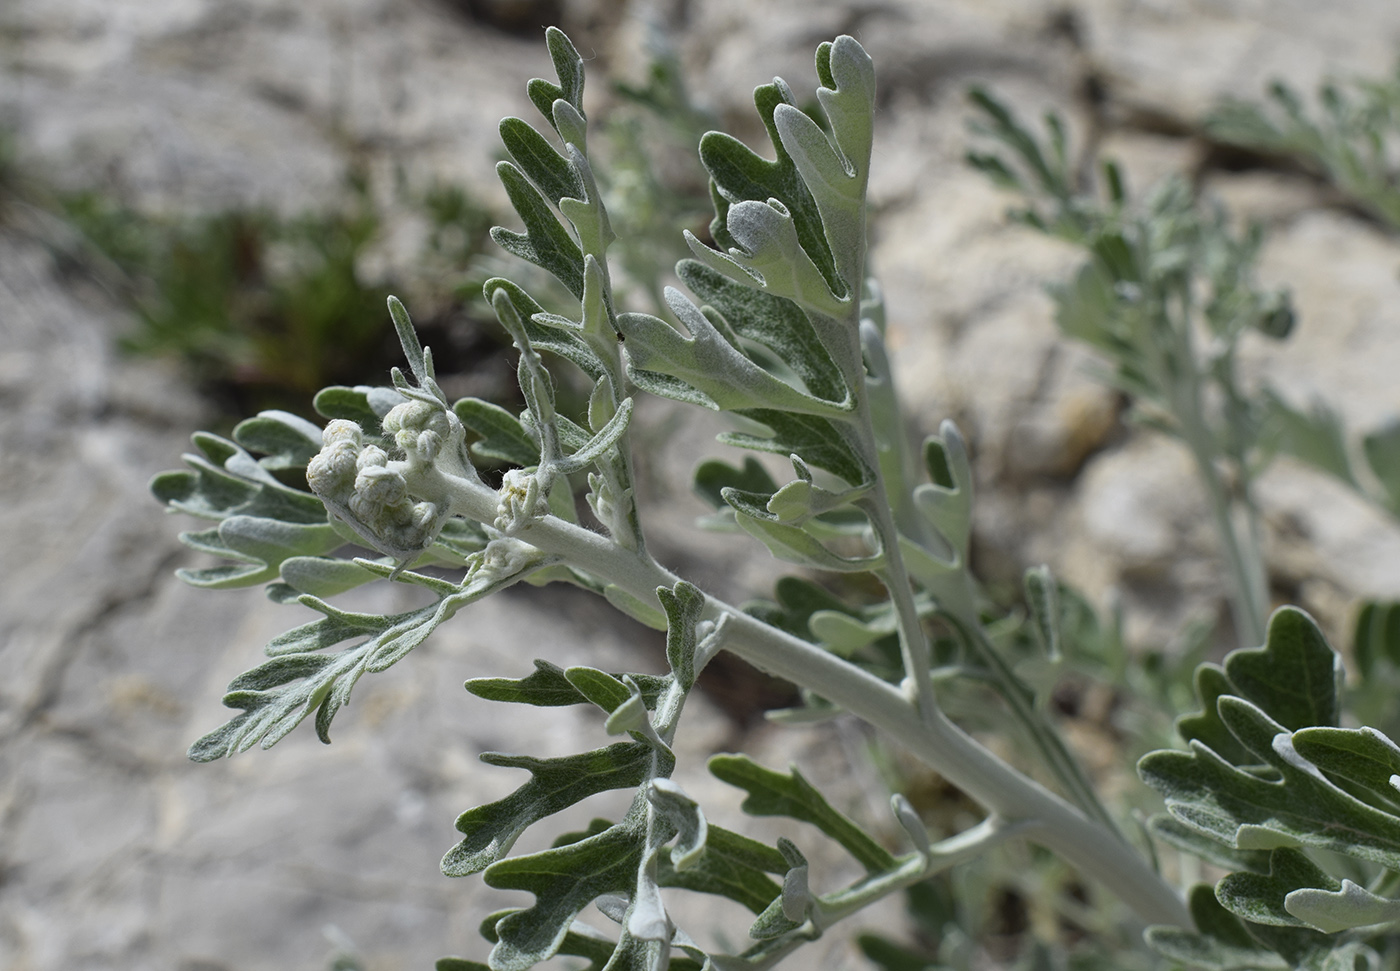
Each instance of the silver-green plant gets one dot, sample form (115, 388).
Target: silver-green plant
(785, 332)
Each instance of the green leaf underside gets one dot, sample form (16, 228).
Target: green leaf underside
(555, 784)
(817, 441)
(741, 175)
(501, 436)
(776, 794)
(1259, 897)
(1220, 942)
(545, 242)
(230, 482)
(775, 322)
(548, 687)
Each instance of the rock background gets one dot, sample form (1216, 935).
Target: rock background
(117, 853)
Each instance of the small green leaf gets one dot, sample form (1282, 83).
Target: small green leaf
(732, 866)
(351, 404)
(545, 242)
(564, 880)
(548, 686)
(604, 690)
(1220, 942)
(775, 794)
(818, 441)
(1362, 755)
(502, 436)
(1376, 640)
(684, 605)
(490, 831)
(287, 441)
(1043, 601)
(550, 171)
(1294, 677)
(1259, 898)
(712, 477)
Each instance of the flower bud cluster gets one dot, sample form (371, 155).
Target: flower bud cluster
(358, 482)
(418, 429)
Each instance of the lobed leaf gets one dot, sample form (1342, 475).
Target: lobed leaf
(772, 793)
(490, 831)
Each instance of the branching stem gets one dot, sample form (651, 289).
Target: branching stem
(928, 734)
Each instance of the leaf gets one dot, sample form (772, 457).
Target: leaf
(322, 576)
(775, 322)
(604, 690)
(1350, 905)
(351, 404)
(767, 254)
(545, 242)
(1176, 833)
(1259, 898)
(1246, 810)
(1205, 726)
(548, 686)
(713, 476)
(708, 362)
(287, 441)
(1220, 942)
(1382, 451)
(740, 175)
(597, 447)
(565, 343)
(684, 604)
(502, 436)
(686, 817)
(1376, 640)
(230, 482)
(1294, 677)
(550, 171)
(793, 544)
(260, 544)
(1361, 755)
(490, 831)
(732, 866)
(1315, 436)
(837, 174)
(564, 880)
(946, 500)
(272, 704)
(775, 794)
(568, 66)
(1043, 602)
(817, 441)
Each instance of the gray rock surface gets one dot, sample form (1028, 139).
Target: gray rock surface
(117, 853)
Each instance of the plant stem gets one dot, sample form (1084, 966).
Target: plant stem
(928, 734)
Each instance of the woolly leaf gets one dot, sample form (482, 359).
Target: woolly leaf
(774, 322)
(740, 175)
(772, 793)
(545, 242)
(1219, 943)
(1259, 898)
(548, 686)
(732, 866)
(550, 171)
(490, 831)
(711, 364)
(817, 441)
(501, 435)
(287, 441)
